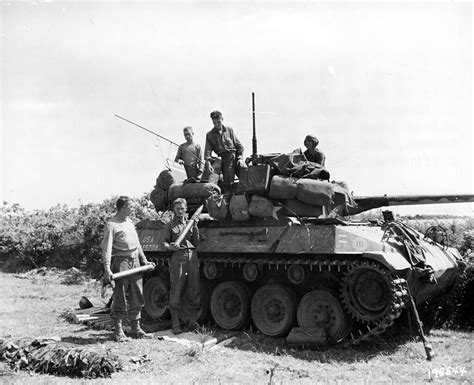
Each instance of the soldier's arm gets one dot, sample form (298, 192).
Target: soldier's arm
(199, 161)
(107, 243)
(239, 149)
(167, 244)
(141, 255)
(167, 236)
(179, 154)
(207, 148)
(195, 236)
(323, 158)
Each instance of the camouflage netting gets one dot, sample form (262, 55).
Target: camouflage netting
(58, 358)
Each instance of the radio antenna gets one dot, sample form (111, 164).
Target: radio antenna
(254, 137)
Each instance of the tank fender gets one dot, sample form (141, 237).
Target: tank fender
(392, 261)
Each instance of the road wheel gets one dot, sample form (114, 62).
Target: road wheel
(273, 309)
(156, 293)
(321, 309)
(230, 305)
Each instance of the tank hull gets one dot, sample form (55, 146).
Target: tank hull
(330, 275)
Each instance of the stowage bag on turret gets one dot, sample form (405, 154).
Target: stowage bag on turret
(293, 206)
(239, 208)
(298, 166)
(192, 190)
(159, 198)
(314, 192)
(260, 207)
(342, 199)
(165, 180)
(283, 187)
(217, 207)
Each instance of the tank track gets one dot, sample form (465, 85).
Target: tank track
(398, 287)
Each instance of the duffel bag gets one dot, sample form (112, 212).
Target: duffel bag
(192, 190)
(217, 207)
(314, 192)
(239, 208)
(159, 198)
(165, 180)
(282, 187)
(260, 207)
(293, 207)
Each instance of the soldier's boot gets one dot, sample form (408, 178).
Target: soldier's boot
(193, 325)
(137, 331)
(119, 335)
(175, 325)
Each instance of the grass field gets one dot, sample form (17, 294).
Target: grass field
(32, 305)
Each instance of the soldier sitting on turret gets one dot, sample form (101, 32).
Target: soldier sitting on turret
(312, 153)
(222, 140)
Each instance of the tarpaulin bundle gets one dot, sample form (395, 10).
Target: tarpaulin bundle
(60, 358)
(192, 190)
(298, 166)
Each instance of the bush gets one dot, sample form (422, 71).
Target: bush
(455, 310)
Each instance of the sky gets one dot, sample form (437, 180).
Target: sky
(386, 87)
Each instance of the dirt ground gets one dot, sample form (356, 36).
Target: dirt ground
(33, 305)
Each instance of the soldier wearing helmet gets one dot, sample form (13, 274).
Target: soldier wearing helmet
(312, 153)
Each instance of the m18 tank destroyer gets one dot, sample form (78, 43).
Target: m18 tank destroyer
(294, 260)
(278, 252)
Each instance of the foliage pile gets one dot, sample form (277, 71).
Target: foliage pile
(456, 229)
(50, 356)
(61, 236)
(455, 309)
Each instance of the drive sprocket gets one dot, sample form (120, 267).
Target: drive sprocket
(370, 293)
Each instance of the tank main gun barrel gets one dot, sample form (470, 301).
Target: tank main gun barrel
(365, 203)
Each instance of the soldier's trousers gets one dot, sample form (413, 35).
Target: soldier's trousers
(128, 292)
(184, 279)
(228, 167)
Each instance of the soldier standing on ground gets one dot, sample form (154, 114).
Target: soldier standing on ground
(184, 267)
(190, 155)
(222, 140)
(312, 153)
(122, 251)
